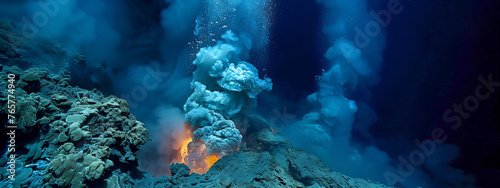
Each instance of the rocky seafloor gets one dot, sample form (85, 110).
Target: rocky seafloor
(67, 136)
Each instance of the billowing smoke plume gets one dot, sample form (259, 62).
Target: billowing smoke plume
(357, 42)
(223, 85)
(204, 21)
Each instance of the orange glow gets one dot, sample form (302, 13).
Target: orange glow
(210, 161)
(204, 165)
(184, 149)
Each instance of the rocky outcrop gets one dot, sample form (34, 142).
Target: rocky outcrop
(68, 136)
(275, 163)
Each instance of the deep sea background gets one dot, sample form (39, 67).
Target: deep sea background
(433, 53)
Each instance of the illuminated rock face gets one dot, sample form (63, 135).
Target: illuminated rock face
(274, 163)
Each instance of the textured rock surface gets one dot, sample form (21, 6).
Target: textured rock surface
(275, 164)
(68, 136)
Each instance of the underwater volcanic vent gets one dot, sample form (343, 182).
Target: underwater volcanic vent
(197, 165)
(223, 84)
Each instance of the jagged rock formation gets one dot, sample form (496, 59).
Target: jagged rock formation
(275, 163)
(68, 136)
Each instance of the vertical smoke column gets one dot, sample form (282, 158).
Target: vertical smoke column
(353, 68)
(223, 84)
(356, 61)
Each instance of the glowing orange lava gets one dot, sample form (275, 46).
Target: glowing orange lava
(210, 161)
(204, 165)
(184, 149)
